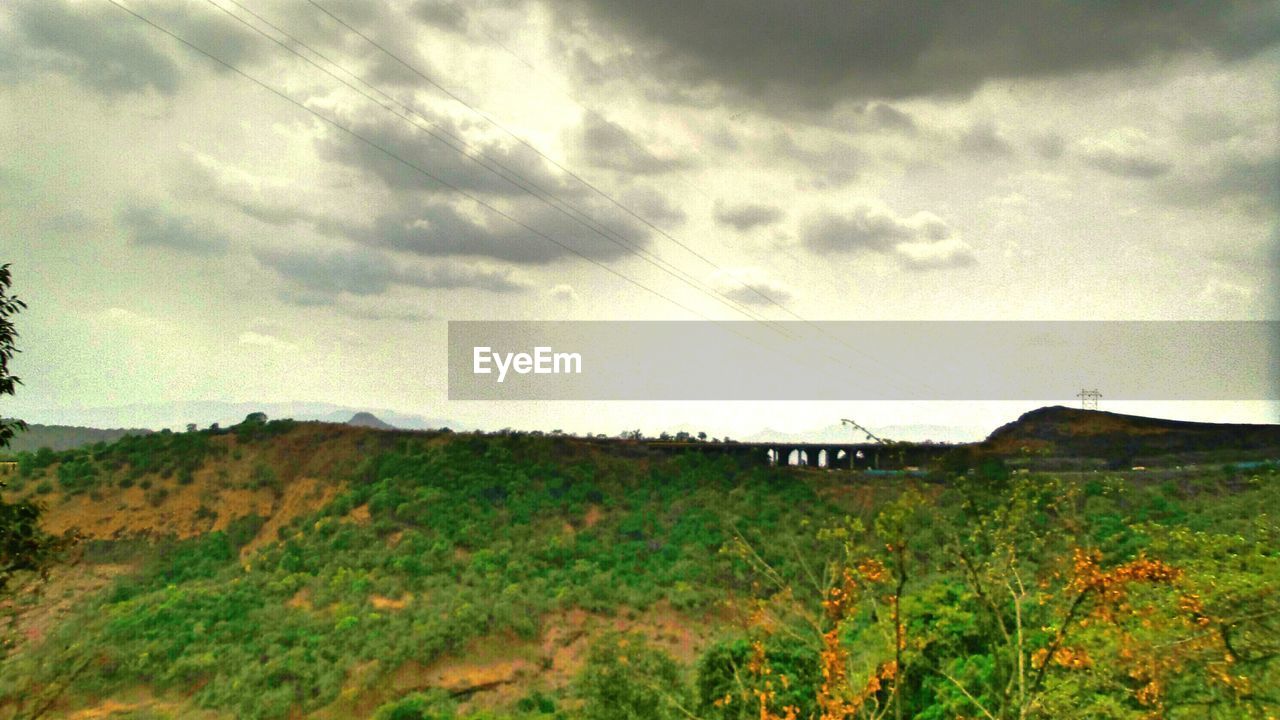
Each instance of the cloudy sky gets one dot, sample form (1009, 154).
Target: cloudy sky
(296, 217)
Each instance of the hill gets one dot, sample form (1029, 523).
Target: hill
(1120, 439)
(66, 437)
(369, 420)
(314, 570)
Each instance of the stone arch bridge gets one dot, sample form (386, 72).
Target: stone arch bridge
(848, 456)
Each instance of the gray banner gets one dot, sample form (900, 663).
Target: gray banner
(643, 360)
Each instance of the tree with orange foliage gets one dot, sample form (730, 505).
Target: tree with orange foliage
(1012, 611)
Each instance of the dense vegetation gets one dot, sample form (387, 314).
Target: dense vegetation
(983, 595)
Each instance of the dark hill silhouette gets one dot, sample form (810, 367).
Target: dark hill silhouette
(369, 420)
(1070, 432)
(66, 437)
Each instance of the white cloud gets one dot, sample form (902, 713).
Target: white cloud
(1126, 152)
(750, 286)
(257, 339)
(919, 241)
(564, 293)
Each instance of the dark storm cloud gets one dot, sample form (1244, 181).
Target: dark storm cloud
(397, 32)
(865, 228)
(1049, 145)
(443, 231)
(1248, 183)
(652, 206)
(1127, 163)
(99, 46)
(434, 156)
(819, 52)
(1208, 127)
(70, 222)
(437, 228)
(110, 52)
(985, 141)
(747, 216)
(833, 164)
(888, 117)
(444, 14)
(148, 225)
(360, 272)
(756, 293)
(604, 144)
(319, 275)
(922, 241)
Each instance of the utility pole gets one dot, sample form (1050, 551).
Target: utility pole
(1089, 399)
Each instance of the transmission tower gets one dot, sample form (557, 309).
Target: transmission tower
(1089, 399)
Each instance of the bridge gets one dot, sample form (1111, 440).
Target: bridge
(848, 456)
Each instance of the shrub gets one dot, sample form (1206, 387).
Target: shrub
(626, 679)
(432, 705)
(157, 496)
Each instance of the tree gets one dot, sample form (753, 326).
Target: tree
(24, 545)
(10, 305)
(626, 679)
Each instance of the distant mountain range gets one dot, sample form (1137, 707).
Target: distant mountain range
(177, 415)
(66, 437)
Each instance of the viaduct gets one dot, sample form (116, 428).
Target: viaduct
(848, 456)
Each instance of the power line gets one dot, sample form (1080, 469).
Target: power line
(416, 168)
(492, 121)
(674, 271)
(479, 157)
(622, 132)
(485, 116)
(413, 166)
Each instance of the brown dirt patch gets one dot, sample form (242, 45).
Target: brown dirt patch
(360, 515)
(302, 496)
(496, 671)
(301, 600)
(381, 602)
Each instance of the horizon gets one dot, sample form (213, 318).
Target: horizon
(667, 360)
(259, 227)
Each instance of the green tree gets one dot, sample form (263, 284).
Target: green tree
(24, 545)
(626, 679)
(10, 305)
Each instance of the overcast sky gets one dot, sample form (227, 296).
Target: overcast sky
(181, 233)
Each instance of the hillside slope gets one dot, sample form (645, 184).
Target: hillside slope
(65, 437)
(309, 570)
(1080, 433)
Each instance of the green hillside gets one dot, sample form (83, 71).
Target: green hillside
(64, 437)
(287, 570)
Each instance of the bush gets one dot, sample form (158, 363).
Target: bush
(626, 679)
(263, 476)
(719, 676)
(157, 496)
(433, 705)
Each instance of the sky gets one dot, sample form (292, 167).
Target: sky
(297, 217)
